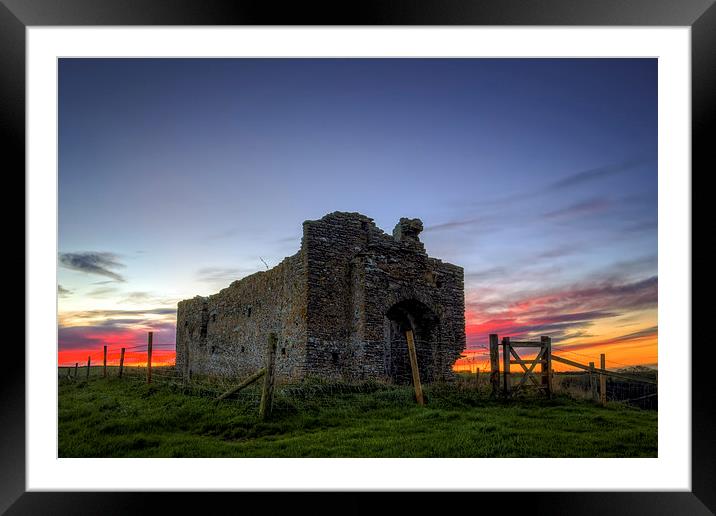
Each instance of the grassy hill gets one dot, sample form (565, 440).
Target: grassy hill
(111, 417)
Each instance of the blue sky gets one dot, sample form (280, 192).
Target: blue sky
(538, 176)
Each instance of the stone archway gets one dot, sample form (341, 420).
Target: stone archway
(411, 314)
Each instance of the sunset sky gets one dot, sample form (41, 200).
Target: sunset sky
(538, 176)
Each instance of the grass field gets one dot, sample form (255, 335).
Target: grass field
(126, 418)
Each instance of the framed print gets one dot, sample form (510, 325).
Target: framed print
(436, 247)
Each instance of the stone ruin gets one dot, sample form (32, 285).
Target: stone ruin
(340, 307)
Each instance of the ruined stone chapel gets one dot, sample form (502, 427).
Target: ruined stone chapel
(340, 307)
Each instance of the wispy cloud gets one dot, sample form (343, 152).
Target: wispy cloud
(102, 291)
(106, 314)
(559, 252)
(578, 209)
(101, 264)
(541, 265)
(518, 210)
(454, 224)
(227, 233)
(641, 227)
(221, 276)
(646, 332)
(559, 326)
(595, 174)
(637, 267)
(570, 181)
(63, 292)
(136, 297)
(488, 273)
(630, 339)
(286, 240)
(560, 311)
(143, 297)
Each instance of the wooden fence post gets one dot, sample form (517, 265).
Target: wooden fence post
(547, 365)
(121, 362)
(149, 357)
(76, 365)
(477, 378)
(506, 366)
(593, 382)
(603, 380)
(104, 363)
(494, 365)
(88, 366)
(267, 393)
(414, 368)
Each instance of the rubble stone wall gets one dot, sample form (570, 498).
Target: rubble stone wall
(227, 333)
(356, 274)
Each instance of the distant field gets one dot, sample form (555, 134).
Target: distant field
(126, 418)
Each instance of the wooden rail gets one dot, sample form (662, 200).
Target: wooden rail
(251, 379)
(601, 371)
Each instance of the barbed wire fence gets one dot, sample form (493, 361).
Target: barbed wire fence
(132, 364)
(638, 387)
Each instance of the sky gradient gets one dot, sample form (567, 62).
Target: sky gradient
(538, 176)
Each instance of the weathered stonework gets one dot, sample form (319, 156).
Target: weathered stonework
(340, 307)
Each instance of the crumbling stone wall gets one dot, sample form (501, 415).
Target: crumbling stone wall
(356, 275)
(226, 333)
(340, 306)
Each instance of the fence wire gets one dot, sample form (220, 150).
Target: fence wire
(472, 383)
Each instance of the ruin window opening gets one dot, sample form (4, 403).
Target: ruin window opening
(283, 351)
(334, 358)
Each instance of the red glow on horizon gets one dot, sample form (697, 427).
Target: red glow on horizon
(160, 357)
(523, 319)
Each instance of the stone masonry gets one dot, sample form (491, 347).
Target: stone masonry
(340, 306)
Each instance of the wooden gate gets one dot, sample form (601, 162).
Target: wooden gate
(540, 380)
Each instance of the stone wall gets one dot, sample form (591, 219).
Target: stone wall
(226, 333)
(340, 306)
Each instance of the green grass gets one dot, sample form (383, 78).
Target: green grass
(126, 418)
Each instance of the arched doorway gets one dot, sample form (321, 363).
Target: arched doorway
(410, 315)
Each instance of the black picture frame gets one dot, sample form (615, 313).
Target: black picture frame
(699, 15)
